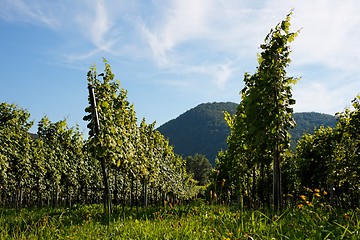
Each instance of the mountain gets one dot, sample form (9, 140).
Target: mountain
(203, 129)
(307, 122)
(199, 130)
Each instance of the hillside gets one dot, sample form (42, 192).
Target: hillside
(203, 129)
(199, 130)
(306, 122)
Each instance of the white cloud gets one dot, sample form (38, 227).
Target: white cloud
(313, 97)
(87, 27)
(330, 34)
(329, 93)
(208, 41)
(72, 57)
(330, 31)
(35, 12)
(223, 74)
(101, 26)
(176, 22)
(186, 35)
(96, 23)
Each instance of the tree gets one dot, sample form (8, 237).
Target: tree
(200, 167)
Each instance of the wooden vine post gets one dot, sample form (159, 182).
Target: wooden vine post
(95, 117)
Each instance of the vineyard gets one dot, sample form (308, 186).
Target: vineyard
(126, 163)
(59, 167)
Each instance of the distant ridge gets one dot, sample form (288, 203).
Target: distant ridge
(203, 129)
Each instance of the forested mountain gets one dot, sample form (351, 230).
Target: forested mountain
(306, 122)
(203, 129)
(199, 130)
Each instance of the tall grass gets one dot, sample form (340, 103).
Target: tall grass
(192, 221)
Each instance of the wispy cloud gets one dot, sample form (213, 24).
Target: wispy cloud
(36, 12)
(224, 72)
(319, 97)
(74, 57)
(176, 23)
(329, 34)
(325, 90)
(186, 35)
(96, 23)
(87, 27)
(212, 41)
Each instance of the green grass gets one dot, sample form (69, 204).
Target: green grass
(191, 221)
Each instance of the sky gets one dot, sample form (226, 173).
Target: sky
(171, 55)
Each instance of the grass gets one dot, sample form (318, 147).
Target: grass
(192, 221)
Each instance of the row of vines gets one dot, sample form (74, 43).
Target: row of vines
(326, 161)
(59, 166)
(248, 172)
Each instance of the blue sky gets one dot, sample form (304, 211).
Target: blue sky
(171, 55)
